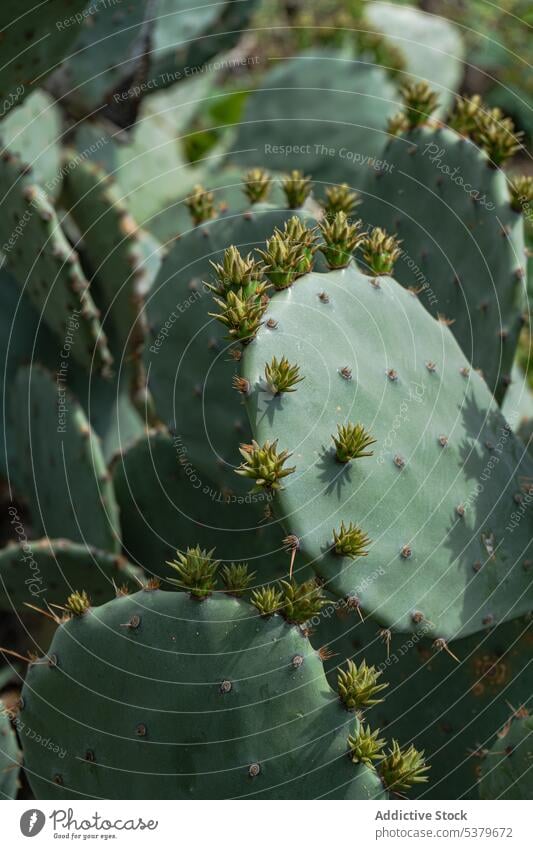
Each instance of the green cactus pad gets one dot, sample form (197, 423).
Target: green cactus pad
(323, 113)
(9, 757)
(124, 258)
(462, 243)
(33, 132)
(449, 706)
(187, 356)
(21, 340)
(165, 503)
(65, 478)
(148, 164)
(507, 772)
(185, 37)
(110, 49)
(184, 712)
(46, 571)
(42, 261)
(438, 494)
(31, 52)
(517, 405)
(431, 45)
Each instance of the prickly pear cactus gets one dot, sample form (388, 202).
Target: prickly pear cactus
(187, 36)
(163, 500)
(302, 116)
(260, 723)
(109, 51)
(462, 242)
(404, 475)
(41, 259)
(9, 757)
(27, 56)
(32, 130)
(45, 571)
(190, 369)
(123, 257)
(62, 470)
(506, 772)
(431, 44)
(448, 700)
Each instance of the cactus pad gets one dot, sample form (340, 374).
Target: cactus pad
(462, 243)
(404, 529)
(29, 53)
(506, 772)
(47, 571)
(54, 439)
(42, 261)
(165, 503)
(9, 757)
(259, 723)
(450, 703)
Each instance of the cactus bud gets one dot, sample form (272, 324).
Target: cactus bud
(521, 190)
(281, 376)
(236, 578)
(196, 569)
(351, 442)
(241, 315)
(78, 603)
(381, 251)
(296, 188)
(340, 199)
(398, 124)
(365, 746)
(358, 685)
(420, 102)
(296, 233)
(350, 541)
(283, 260)
(236, 272)
(496, 135)
(257, 185)
(267, 600)
(341, 239)
(264, 464)
(200, 205)
(301, 601)
(400, 769)
(464, 116)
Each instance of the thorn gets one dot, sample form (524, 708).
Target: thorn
(16, 654)
(385, 635)
(48, 615)
(292, 544)
(442, 644)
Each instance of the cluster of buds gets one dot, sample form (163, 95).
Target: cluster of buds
(196, 570)
(420, 101)
(400, 769)
(236, 272)
(380, 251)
(281, 376)
(358, 686)
(350, 541)
(257, 185)
(340, 199)
(264, 463)
(341, 239)
(296, 233)
(200, 205)
(240, 293)
(297, 188)
(351, 442)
